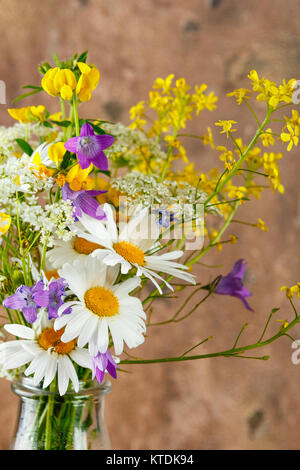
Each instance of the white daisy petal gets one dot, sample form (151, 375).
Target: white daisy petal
(81, 357)
(20, 330)
(51, 370)
(63, 376)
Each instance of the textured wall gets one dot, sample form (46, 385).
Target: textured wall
(209, 404)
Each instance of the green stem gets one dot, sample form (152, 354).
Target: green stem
(240, 161)
(233, 352)
(174, 135)
(49, 415)
(76, 117)
(63, 112)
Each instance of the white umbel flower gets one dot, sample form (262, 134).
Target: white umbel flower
(128, 247)
(102, 308)
(42, 347)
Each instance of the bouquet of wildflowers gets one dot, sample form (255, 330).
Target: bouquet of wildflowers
(99, 221)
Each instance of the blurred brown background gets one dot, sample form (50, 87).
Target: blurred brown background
(217, 403)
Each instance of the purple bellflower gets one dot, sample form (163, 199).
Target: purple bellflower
(56, 298)
(232, 284)
(89, 147)
(84, 201)
(28, 299)
(101, 363)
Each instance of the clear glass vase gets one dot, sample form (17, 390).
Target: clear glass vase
(48, 421)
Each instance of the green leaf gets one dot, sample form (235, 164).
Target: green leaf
(66, 160)
(21, 97)
(83, 57)
(47, 124)
(33, 87)
(98, 130)
(62, 123)
(56, 59)
(25, 146)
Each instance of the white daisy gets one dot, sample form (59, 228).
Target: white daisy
(42, 347)
(102, 308)
(129, 247)
(69, 251)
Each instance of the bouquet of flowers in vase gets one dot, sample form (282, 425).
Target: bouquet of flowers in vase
(99, 221)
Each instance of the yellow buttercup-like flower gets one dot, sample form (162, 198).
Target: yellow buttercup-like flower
(56, 151)
(79, 179)
(28, 114)
(87, 82)
(5, 221)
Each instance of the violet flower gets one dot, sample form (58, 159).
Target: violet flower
(84, 201)
(56, 298)
(165, 217)
(232, 284)
(101, 363)
(89, 147)
(28, 299)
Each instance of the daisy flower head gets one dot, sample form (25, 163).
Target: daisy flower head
(69, 251)
(47, 355)
(102, 308)
(132, 245)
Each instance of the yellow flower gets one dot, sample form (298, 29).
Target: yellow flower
(267, 138)
(284, 325)
(56, 116)
(79, 179)
(56, 152)
(61, 180)
(61, 82)
(290, 292)
(165, 85)
(5, 221)
(87, 82)
(240, 94)
(292, 137)
(227, 126)
(111, 196)
(203, 101)
(28, 114)
(207, 139)
(41, 169)
(227, 157)
(260, 224)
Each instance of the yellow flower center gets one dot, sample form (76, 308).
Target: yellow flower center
(101, 302)
(50, 338)
(84, 247)
(130, 252)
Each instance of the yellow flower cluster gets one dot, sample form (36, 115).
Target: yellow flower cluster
(270, 92)
(173, 104)
(290, 132)
(62, 82)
